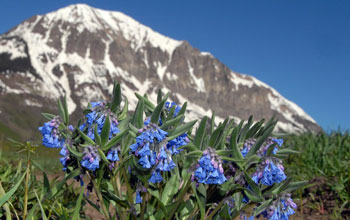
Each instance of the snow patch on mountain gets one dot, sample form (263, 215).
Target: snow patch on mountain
(17, 49)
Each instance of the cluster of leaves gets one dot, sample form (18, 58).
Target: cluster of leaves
(26, 191)
(148, 165)
(324, 159)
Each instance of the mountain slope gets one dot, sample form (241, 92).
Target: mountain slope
(80, 50)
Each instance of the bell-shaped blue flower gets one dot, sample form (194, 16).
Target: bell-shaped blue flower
(112, 154)
(156, 177)
(51, 135)
(209, 169)
(272, 174)
(91, 159)
(176, 143)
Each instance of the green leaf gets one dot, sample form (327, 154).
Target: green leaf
(252, 196)
(172, 122)
(260, 141)
(117, 97)
(295, 185)
(155, 194)
(105, 131)
(251, 160)
(252, 132)
(170, 189)
(97, 136)
(75, 215)
(180, 130)
(231, 159)
(66, 119)
(217, 134)
(196, 153)
(74, 152)
(111, 196)
(233, 142)
(124, 112)
(8, 195)
(287, 151)
(86, 138)
(159, 96)
(200, 194)
(212, 123)
(43, 215)
(138, 115)
(148, 104)
(115, 140)
(183, 109)
(200, 134)
(252, 184)
(48, 116)
(133, 128)
(103, 156)
(189, 147)
(262, 207)
(157, 111)
(61, 111)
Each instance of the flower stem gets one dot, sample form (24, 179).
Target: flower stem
(25, 208)
(217, 208)
(99, 195)
(143, 205)
(182, 194)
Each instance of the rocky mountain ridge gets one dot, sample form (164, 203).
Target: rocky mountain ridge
(79, 50)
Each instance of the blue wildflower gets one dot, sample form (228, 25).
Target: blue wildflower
(65, 153)
(91, 159)
(174, 145)
(272, 174)
(156, 177)
(169, 106)
(51, 135)
(247, 145)
(165, 162)
(112, 154)
(150, 135)
(151, 151)
(263, 149)
(209, 169)
(138, 197)
(281, 209)
(98, 116)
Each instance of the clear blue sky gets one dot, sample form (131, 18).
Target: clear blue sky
(301, 48)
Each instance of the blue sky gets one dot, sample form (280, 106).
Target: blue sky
(301, 48)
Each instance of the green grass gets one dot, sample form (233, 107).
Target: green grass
(324, 159)
(48, 158)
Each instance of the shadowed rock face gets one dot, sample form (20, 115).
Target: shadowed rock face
(78, 51)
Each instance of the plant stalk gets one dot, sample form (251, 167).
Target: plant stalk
(25, 208)
(182, 193)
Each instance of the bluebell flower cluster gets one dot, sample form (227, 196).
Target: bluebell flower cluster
(269, 173)
(98, 116)
(91, 159)
(51, 134)
(138, 197)
(150, 148)
(262, 151)
(281, 209)
(174, 145)
(112, 156)
(209, 168)
(65, 157)
(271, 170)
(168, 106)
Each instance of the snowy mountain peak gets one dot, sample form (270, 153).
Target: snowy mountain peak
(81, 17)
(78, 51)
